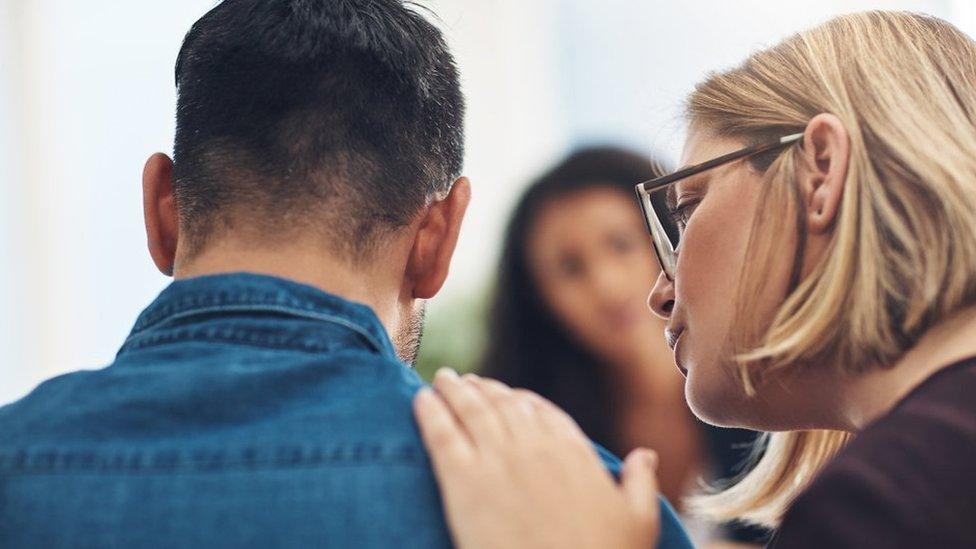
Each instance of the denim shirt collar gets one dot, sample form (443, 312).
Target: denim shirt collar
(255, 293)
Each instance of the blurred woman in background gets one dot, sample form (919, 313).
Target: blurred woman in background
(569, 320)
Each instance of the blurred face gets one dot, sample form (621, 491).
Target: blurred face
(718, 207)
(592, 260)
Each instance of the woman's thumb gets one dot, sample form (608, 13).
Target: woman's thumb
(639, 479)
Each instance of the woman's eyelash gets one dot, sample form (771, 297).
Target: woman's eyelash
(680, 213)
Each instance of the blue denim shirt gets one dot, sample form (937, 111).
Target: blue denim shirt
(242, 410)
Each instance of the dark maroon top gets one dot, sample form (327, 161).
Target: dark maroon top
(907, 480)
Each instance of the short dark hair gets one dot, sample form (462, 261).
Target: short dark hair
(342, 116)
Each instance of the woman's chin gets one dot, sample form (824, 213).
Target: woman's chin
(718, 405)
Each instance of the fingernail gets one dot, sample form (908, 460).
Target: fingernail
(425, 393)
(644, 456)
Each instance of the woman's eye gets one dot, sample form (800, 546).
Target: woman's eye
(681, 213)
(621, 243)
(570, 267)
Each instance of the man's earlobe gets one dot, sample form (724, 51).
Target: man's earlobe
(436, 240)
(159, 210)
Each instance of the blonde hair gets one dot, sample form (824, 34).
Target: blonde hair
(903, 252)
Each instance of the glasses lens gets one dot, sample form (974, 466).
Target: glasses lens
(661, 222)
(663, 204)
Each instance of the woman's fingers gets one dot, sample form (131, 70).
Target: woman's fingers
(534, 421)
(522, 411)
(447, 443)
(515, 471)
(555, 417)
(473, 410)
(639, 480)
(517, 413)
(493, 414)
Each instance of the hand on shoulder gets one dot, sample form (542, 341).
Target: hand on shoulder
(516, 471)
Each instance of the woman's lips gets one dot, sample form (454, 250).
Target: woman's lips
(677, 357)
(672, 336)
(674, 341)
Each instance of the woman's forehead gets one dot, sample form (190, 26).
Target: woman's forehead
(702, 145)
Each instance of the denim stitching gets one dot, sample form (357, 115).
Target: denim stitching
(221, 298)
(207, 336)
(143, 338)
(309, 313)
(204, 460)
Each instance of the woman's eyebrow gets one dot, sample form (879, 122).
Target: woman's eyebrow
(693, 183)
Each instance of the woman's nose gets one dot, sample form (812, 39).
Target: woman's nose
(661, 300)
(611, 282)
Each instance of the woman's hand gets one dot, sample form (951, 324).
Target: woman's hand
(516, 472)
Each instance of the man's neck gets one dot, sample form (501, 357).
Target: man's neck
(304, 264)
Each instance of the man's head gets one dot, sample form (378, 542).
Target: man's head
(333, 126)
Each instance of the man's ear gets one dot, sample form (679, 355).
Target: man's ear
(159, 209)
(436, 239)
(823, 170)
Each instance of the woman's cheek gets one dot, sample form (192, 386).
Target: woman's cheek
(710, 257)
(690, 271)
(569, 305)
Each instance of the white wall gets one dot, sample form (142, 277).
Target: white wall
(89, 90)
(86, 94)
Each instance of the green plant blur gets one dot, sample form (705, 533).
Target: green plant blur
(454, 335)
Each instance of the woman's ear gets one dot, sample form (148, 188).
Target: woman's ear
(823, 171)
(159, 209)
(436, 239)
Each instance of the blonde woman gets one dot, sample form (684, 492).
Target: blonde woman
(824, 290)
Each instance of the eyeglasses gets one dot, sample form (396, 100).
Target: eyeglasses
(665, 222)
